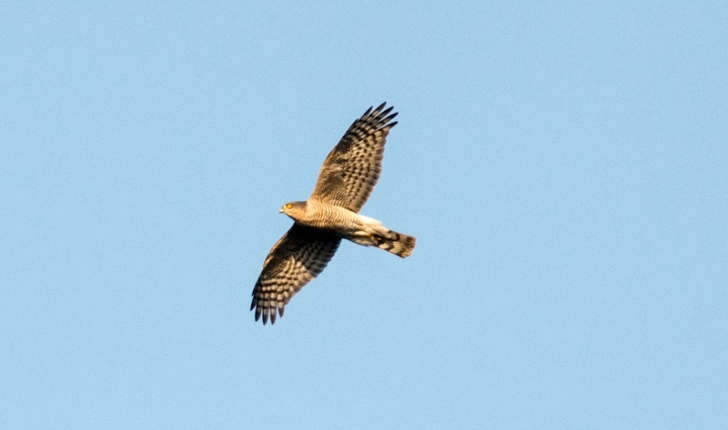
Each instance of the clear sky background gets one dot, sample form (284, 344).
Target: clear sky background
(564, 166)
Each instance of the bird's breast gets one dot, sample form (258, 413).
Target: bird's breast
(328, 216)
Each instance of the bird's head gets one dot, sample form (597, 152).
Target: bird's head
(295, 210)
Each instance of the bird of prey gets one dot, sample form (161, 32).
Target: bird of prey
(347, 178)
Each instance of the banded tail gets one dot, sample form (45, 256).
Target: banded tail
(375, 234)
(396, 243)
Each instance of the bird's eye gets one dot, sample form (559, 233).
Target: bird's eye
(288, 205)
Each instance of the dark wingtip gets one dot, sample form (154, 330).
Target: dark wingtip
(384, 113)
(266, 313)
(379, 113)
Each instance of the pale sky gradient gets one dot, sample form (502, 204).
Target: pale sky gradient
(564, 166)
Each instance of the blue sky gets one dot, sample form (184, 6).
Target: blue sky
(563, 165)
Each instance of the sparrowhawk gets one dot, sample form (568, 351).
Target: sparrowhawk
(347, 178)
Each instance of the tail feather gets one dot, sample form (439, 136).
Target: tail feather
(396, 243)
(375, 234)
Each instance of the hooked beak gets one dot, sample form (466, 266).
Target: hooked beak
(280, 211)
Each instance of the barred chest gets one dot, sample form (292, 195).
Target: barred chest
(324, 215)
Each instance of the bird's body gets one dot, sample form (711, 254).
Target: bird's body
(323, 215)
(357, 228)
(346, 180)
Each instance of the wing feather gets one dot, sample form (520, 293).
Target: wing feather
(352, 168)
(298, 257)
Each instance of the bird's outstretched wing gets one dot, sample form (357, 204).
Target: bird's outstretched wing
(298, 257)
(352, 168)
